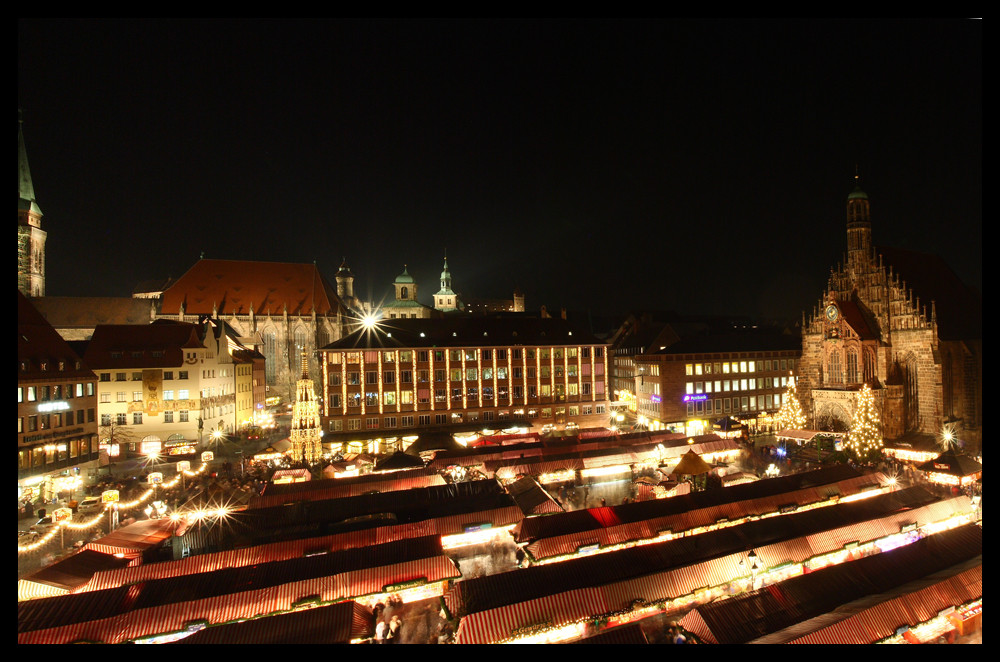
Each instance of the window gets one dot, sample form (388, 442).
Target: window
(136, 396)
(182, 416)
(120, 396)
(182, 394)
(105, 419)
(121, 419)
(168, 416)
(120, 377)
(183, 374)
(105, 398)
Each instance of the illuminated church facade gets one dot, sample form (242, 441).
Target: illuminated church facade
(904, 324)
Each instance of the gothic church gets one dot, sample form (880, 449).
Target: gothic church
(904, 324)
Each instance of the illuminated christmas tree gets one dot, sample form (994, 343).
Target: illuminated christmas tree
(864, 441)
(790, 416)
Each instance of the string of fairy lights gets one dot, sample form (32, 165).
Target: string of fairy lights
(96, 520)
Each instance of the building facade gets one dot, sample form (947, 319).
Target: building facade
(280, 309)
(56, 408)
(166, 384)
(904, 324)
(690, 384)
(250, 387)
(469, 371)
(30, 236)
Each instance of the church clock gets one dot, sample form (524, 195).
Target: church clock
(832, 312)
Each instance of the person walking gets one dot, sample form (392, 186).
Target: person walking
(395, 626)
(380, 632)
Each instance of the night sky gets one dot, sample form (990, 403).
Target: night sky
(696, 166)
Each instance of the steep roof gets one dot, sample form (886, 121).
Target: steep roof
(856, 318)
(234, 286)
(88, 312)
(142, 345)
(959, 307)
(38, 343)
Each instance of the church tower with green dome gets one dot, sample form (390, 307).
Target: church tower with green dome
(445, 299)
(30, 236)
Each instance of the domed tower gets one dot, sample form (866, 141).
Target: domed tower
(406, 287)
(859, 226)
(30, 236)
(446, 299)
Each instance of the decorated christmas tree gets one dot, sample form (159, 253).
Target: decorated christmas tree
(790, 416)
(864, 441)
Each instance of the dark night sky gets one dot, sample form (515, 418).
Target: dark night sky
(695, 166)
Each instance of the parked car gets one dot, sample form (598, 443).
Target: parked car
(91, 505)
(43, 525)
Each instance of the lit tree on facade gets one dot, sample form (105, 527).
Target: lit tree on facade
(864, 441)
(790, 416)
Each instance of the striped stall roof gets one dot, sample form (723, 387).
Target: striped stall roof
(140, 623)
(132, 540)
(498, 624)
(74, 608)
(881, 621)
(777, 607)
(238, 558)
(676, 568)
(337, 488)
(611, 534)
(335, 624)
(826, 482)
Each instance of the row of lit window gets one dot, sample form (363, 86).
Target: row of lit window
(37, 422)
(725, 368)
(122, 419)
(54, 392)
(725, 385)
(390, 422)
(734, 405)
(405, 397)
(469, 374)
(423, 356)
(137, 376)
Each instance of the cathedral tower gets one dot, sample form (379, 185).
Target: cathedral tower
(859, 227)
(30, 236)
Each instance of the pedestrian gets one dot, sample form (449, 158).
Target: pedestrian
(395, 625)
(380, 632)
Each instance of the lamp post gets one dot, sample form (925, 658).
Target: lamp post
(750, 564)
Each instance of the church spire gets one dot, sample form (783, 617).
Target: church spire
(30, 236)
(25, 189)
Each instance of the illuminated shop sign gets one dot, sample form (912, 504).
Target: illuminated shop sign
(654, 398)
(695, 398)
(59, 405)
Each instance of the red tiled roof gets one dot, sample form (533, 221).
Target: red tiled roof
(234, 286)
(170, 338)
(38, 343)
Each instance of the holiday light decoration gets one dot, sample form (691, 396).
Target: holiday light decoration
(864, 441)
(790, 416)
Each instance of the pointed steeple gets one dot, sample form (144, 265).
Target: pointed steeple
(30, 236)
(25, 189)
